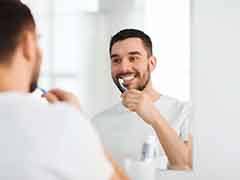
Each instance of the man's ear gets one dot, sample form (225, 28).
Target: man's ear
(152, 63)
(27, 45)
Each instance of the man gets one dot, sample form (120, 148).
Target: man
(39, 141)
(143, 112)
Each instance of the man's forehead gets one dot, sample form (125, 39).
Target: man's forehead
(128, 45)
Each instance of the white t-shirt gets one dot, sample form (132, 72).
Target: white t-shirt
(47, 142)
(123, 133)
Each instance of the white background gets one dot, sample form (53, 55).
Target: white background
(216, 87)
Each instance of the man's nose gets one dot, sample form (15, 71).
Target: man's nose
(125, 66)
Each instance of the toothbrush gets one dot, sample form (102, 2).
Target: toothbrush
(123, 88)
(42, 90)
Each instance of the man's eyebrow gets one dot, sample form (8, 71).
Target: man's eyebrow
(114, 55)
(135, 53)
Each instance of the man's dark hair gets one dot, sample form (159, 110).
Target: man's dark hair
(132, 33)
(15, 18)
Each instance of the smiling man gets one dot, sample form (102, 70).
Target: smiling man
(143, 112)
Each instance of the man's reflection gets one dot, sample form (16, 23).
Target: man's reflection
(143, 112)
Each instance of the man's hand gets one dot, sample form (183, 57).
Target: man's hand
(139, 102)
(58, 95)
(118, 172)
(177, 151)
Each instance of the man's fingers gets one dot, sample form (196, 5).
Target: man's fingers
(130, 92)
(51, 98)
(131, 98)
(130, 105)
(132, 108)
(133, 91)
(58, 95)
(62, 95)
(131, 101)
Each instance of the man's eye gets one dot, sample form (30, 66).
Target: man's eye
(132, 58)
(116, 61)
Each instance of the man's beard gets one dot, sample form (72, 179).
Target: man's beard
(33, 86)
(34, 81)
(140, 87)
(36, 71)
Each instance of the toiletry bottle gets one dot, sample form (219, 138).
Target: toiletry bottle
(149, 149)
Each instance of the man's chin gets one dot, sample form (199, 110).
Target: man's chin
(132, 86)
(139, 88)
(33, 87)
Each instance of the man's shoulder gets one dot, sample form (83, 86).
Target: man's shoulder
(47, 127)
(173, 102)
(36, 115)
(27, 105)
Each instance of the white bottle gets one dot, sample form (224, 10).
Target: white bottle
(149, 149)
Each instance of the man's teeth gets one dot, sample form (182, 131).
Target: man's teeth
(128, 78)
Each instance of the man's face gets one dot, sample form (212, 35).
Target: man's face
(37, 60)
(130, 62)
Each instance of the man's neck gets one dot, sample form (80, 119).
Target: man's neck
(153, 94)
(12, 82)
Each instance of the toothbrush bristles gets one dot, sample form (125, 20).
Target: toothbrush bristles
(121, 81)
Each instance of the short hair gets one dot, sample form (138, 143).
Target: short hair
(132, 33)
(15, 18)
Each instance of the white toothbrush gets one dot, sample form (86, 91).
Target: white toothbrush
(121, 81)
(42, 90)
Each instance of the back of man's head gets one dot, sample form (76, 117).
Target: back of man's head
(15, 18)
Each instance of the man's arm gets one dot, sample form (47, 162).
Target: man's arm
(177, 151)
(118, 173)
(57, 95)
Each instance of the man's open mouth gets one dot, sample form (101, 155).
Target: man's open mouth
(127, 78)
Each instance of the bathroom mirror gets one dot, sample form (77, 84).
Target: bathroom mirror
(75, 38)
